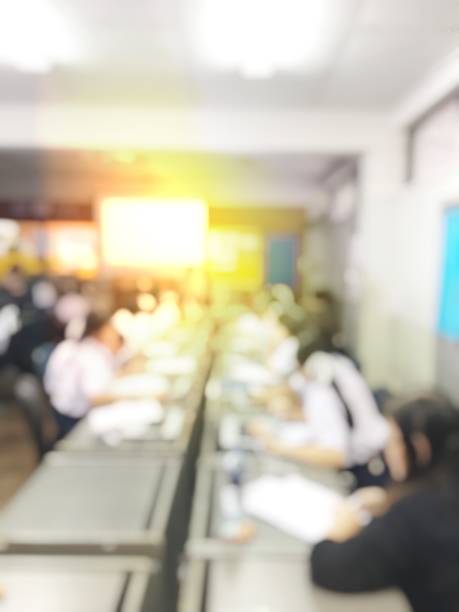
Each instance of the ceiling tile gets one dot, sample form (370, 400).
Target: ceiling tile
(376, 69)
(411, 14)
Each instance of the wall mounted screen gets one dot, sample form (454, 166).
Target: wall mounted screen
(449, 299)
(152, 234)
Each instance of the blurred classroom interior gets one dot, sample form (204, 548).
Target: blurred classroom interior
(229, 306)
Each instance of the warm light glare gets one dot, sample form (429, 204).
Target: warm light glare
(261, 37)
(146, 302)
(34, 36)
(236, 257)
(143, 233)
(72, 247)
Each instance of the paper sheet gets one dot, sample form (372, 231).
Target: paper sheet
(139, 385)
(294, 434)
(293, 504)
(173, 423)
(128, 418)
(160, 349)
(250, 372)
(173, 366)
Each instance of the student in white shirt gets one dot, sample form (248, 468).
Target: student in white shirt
(283, 359)
(343, 426)
(79, 372)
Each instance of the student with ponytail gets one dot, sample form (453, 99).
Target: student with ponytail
(412, 543)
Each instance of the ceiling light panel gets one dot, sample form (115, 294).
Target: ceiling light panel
(259, 38)
(35, 36)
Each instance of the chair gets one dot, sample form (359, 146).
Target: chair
(35, 407)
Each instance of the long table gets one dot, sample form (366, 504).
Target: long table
(207, 517)
(269, 573)
(91, 505)
(189, 410)
(46, 583)
(254, 583)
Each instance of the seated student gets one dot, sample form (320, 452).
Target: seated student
(344, 426)
(40, 331)
(78, 373)
(414, 544)
(14, 288)
(283, 358)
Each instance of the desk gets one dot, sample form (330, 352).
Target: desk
(266, 574)
(74, 584)
(206, 514)
(82, 440)
(92, 505)
(253, 583)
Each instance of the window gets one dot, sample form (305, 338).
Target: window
(434, 142)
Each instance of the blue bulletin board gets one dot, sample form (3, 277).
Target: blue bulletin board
(282, 254)
(448, 324)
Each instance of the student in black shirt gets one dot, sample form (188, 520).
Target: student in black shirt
(414, 544)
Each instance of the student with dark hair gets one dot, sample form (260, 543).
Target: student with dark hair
(283, 359)
(343, 426)
(14, 288)
(32, 344)
(413, 544)
(78, 373)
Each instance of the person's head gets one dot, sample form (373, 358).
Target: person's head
(15, 281)
(311, 342)
(44, 295)
(292, 322)
(325, 296)
(424, 436)
(102, 329)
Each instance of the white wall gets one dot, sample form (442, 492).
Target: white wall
(413, 288)
(402, 238)
(183, 130)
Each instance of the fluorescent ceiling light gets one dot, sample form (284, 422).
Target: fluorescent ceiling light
(258, 38)
(34, 36)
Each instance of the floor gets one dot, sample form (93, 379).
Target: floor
(17, 456)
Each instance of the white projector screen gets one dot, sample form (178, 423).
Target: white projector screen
(139, 233)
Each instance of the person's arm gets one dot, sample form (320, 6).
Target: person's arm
(310, 454)
(280, 401)
(374, 559)
(328, 446)
(96, 376)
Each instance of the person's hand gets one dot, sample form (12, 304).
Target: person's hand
(135, 365)
(346, 523)
(279, 405)
(275, 447)
(372, 500)
(259, 395)
(260, 431)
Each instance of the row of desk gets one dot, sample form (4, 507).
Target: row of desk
(270, 572)
(101, 527)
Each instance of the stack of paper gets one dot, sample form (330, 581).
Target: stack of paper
(293, 504)
(160, 349)
(139, 385)
(173, 423)
(250, 373)
(295, 434)
(173, 366)
(128, 419)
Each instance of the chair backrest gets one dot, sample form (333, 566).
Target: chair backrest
(32, 400)
(40, 357)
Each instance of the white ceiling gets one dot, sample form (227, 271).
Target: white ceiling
(141, 52)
